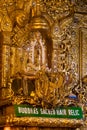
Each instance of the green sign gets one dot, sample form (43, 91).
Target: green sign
(61, 112)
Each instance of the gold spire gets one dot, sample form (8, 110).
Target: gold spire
(38, 21)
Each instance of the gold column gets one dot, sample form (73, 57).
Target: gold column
(12, 60)
(5, 69)
(6, 65)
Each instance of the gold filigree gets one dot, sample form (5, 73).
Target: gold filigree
(43, 122)
(60, 9)
(79, 6)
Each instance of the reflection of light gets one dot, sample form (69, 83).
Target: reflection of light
(7, 128)
(28, 49)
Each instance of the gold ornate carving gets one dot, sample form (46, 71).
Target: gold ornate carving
(53, 8)
(81, 5)
(46, 122)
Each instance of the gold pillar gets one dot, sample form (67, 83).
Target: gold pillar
(12, 60)
(6, 66)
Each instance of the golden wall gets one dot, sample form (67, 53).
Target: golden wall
(43, 57)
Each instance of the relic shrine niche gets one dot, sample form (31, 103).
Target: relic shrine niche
(30, 58)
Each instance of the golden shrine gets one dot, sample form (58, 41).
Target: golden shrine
(43, 63)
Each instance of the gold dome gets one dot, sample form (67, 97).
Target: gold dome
(39, 23)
